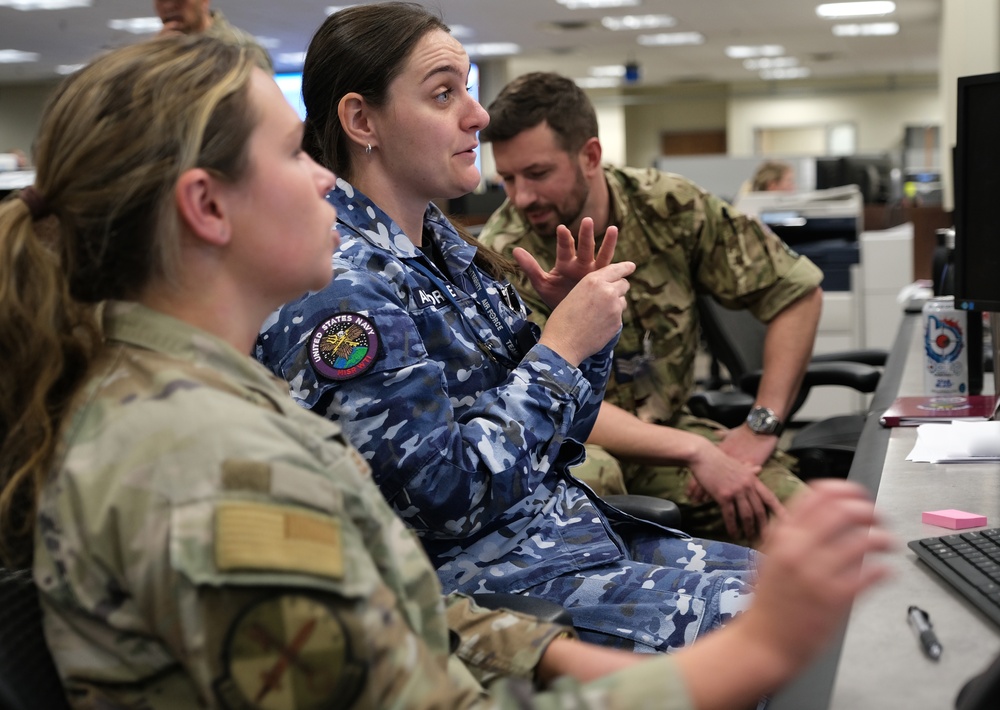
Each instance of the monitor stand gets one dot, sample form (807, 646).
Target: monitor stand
(994, 353)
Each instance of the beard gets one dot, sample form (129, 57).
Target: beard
(569, 210)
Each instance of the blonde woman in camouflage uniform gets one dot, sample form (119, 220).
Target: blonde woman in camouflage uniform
(685, 242)
(198, 539)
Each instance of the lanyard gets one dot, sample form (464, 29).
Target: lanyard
(498, 324)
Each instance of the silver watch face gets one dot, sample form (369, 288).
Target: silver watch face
(762, 420)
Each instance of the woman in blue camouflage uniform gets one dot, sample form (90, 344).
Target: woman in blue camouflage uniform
(421, 349)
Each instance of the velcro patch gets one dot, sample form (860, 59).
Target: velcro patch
(343, 346)
(271, 537)
(292, 652)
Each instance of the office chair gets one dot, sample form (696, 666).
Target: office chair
(982, 690)
(736, 339)
(28, 677)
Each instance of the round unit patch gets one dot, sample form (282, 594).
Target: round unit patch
(290, 652)
(343, 346)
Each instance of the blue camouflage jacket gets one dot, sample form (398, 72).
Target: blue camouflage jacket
(469, 441)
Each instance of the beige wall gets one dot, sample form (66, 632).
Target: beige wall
(879, 115)
(880, 109)
(650, 113)
(970, 44)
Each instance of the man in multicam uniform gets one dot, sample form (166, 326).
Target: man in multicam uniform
(196, 17)
(685, 242)
(470, 438)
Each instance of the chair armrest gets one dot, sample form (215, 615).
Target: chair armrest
(870, 356)
(655, 510)
(727, 407)
(531, 606)
(857, 376)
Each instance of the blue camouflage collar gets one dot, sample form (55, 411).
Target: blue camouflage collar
(357, 211)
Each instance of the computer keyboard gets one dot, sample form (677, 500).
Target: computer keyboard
(970, 563)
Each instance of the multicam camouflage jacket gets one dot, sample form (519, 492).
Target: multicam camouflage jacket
(684, 242)
(204, 542)
(469, 438)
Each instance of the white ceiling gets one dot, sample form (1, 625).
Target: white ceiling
(72, 36)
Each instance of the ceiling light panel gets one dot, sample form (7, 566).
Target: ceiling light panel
(869, 29)
(492, 49)
(770, 63)
(137, 25)
(44, 4)
(839, 10)
(738, 51)
(292, 59)
(671, 39)
(638, 22)
(608, 70)
(597, 82)
(782, 74)
(590, 4)
(16, 56)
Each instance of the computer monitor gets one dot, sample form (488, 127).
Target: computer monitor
(290, 84)
(977, 191)
(875, 175)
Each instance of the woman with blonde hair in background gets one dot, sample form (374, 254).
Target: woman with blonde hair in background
(773, 175)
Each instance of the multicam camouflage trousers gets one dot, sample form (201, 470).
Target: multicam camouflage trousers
(607, 476)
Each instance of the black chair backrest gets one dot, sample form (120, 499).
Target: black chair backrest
(734, 338)
(28, 678)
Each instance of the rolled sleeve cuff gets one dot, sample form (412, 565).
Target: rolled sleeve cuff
(654, 684)
(500, 642)
(799, 280)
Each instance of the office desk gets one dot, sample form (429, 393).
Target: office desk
(879, 663)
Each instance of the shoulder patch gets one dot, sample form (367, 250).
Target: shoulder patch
(290, 652)
(343, 346)
(260, 536)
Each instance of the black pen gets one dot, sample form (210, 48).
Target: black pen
(920, 622)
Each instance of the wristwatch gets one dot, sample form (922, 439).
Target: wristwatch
(763, 420)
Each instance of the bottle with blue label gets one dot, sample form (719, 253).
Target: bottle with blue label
(946, 352)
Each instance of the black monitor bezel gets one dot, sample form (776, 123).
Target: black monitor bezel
(961, 166)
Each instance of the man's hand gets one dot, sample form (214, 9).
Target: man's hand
(734, 485)
(574, 260)
(743, 444)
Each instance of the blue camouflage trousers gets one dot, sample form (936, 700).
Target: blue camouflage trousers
(665, 594)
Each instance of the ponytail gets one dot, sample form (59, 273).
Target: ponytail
(47, 342)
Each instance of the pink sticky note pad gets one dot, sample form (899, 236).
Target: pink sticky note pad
(954, 519)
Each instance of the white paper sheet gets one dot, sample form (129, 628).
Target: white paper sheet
(957, 442)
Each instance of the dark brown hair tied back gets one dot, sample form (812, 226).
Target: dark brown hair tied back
(36, 203)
